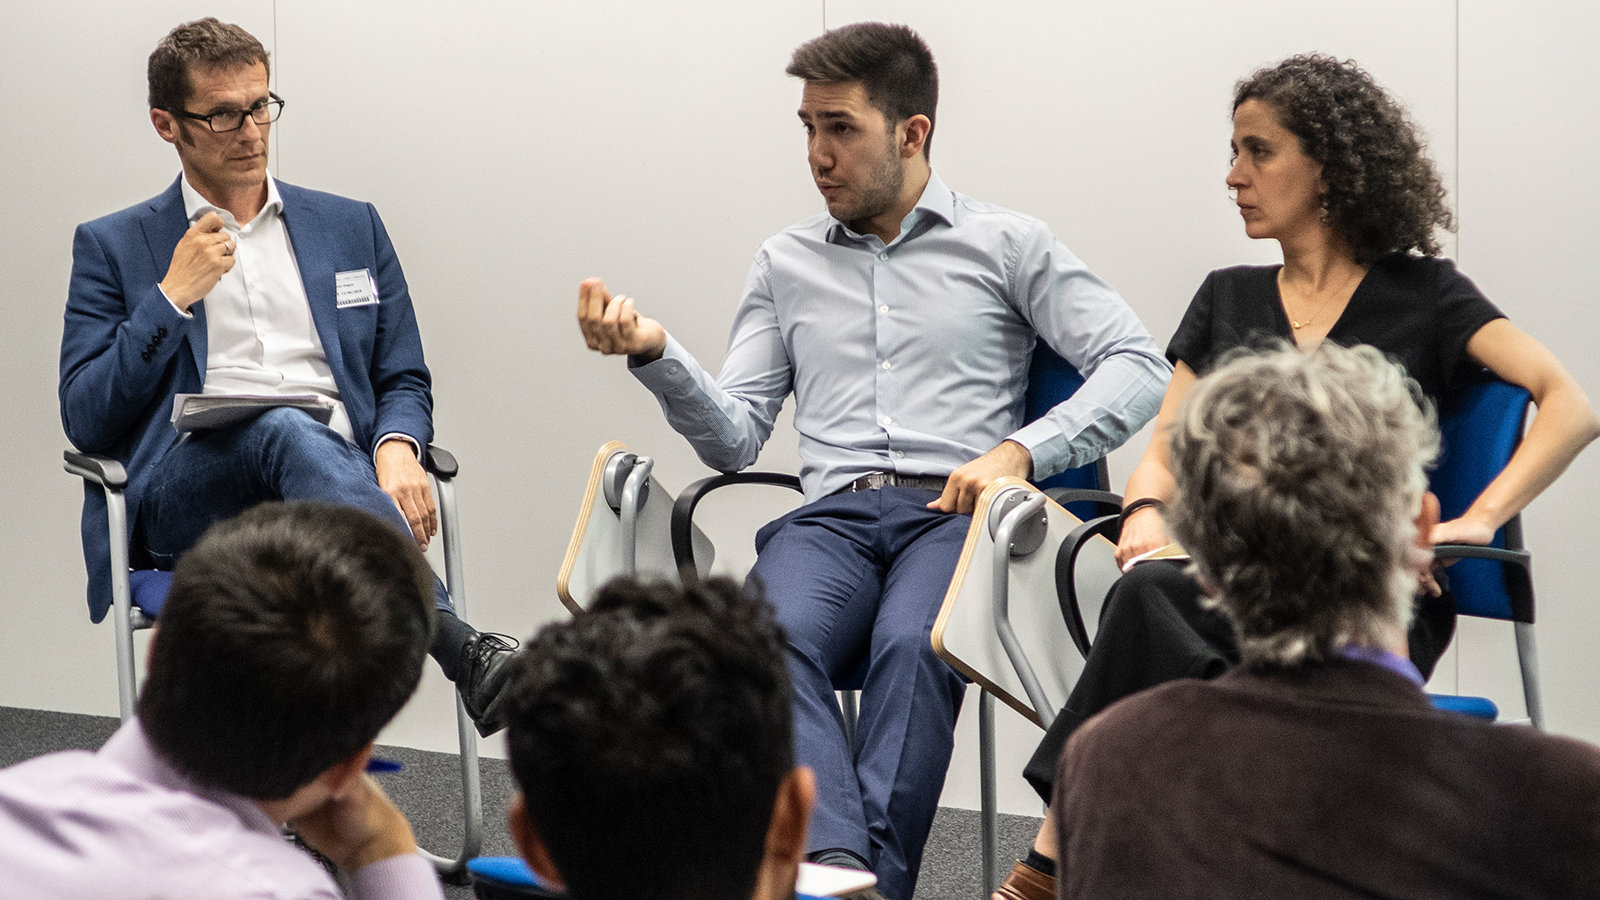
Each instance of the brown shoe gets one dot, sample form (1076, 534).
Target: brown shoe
(1024, 882)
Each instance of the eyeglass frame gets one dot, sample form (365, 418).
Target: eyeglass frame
(273, 100)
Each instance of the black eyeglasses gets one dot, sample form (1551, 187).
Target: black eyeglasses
(262, 112)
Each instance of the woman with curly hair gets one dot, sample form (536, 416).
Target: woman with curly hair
(1329, 166)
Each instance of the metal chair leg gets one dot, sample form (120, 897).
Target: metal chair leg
(1528, 658)
(454, 869)
(989, 814)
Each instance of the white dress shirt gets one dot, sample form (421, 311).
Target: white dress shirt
(260, 337)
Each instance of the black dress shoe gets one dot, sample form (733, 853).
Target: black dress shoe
(481, 677)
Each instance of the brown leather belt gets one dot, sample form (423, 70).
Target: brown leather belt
(872, 481)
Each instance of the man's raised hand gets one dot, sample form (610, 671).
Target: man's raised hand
(204, 254)
(612, 325)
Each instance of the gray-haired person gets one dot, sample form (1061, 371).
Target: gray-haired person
(1317, 768)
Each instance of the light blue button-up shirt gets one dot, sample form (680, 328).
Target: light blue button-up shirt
(912, 357)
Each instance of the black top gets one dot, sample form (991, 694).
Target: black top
(1419, 311)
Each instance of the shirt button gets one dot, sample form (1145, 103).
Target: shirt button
(883, 309)
(886, 421)
(899, 454)
(887, 365)
(883, 256)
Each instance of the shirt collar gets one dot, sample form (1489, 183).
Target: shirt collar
(937, 204)
(195, 206)
(1378, 656)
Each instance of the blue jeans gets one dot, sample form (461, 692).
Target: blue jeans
(860, 577)
(283, 454)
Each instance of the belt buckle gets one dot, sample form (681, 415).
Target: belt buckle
(877, 480)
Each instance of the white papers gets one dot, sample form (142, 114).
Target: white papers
(831, 881)
(204, 412)
(1168, 551)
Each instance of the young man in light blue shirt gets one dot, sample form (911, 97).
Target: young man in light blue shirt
(903, 321)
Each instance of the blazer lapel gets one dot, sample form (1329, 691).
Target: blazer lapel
(308, 235)
(163, 228)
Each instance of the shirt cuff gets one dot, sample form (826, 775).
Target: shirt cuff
(406, 877)
(1042, 439)
(182, 312)
(397, 436)
(668, 375)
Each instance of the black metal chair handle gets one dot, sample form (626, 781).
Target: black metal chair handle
(1066, 584)
(683, 508)
(1518, 570)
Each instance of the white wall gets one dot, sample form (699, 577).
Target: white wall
(516, 147)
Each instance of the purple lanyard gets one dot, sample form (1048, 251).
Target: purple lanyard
(1377, 656)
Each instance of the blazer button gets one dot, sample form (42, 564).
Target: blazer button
(161, 331)
(145, 356)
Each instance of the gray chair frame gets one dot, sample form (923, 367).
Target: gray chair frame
(110, 477)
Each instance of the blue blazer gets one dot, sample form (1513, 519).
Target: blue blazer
(125, 351)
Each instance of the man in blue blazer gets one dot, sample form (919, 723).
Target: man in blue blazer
(231, 282)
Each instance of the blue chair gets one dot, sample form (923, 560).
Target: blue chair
(506, 878)
(137, 596)
(1083, 490)
(1480, 426)
(511, 878)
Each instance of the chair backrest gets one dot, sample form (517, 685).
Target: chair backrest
(1480, 426)
(1051, 380)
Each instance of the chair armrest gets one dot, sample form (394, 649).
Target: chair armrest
(1066, 581)
(683, 508)
(1519, 576)
(1520, 558)
(441, 463)
(102, 470)
(1107, 503)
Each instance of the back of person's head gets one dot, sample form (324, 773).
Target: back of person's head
(203, 44)
(649, 736)
(890, 61)
(1299, 482)
(291, 635)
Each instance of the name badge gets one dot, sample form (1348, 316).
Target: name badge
(355, 288)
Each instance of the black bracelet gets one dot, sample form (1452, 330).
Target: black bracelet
(1135, 506)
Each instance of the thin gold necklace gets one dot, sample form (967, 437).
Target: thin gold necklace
(1297, 324)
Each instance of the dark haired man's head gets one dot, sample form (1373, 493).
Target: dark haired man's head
(890, 61)
(651, 739)
(291, 635)
(203, 44)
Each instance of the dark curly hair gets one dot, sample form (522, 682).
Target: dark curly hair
(1384, 195)
(649, 736)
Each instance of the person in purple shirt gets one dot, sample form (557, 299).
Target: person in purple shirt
(291, 635)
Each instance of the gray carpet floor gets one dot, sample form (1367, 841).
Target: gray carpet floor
(428, 790)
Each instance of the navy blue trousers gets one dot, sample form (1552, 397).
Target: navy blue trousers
(857, 581)
(283, 454)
